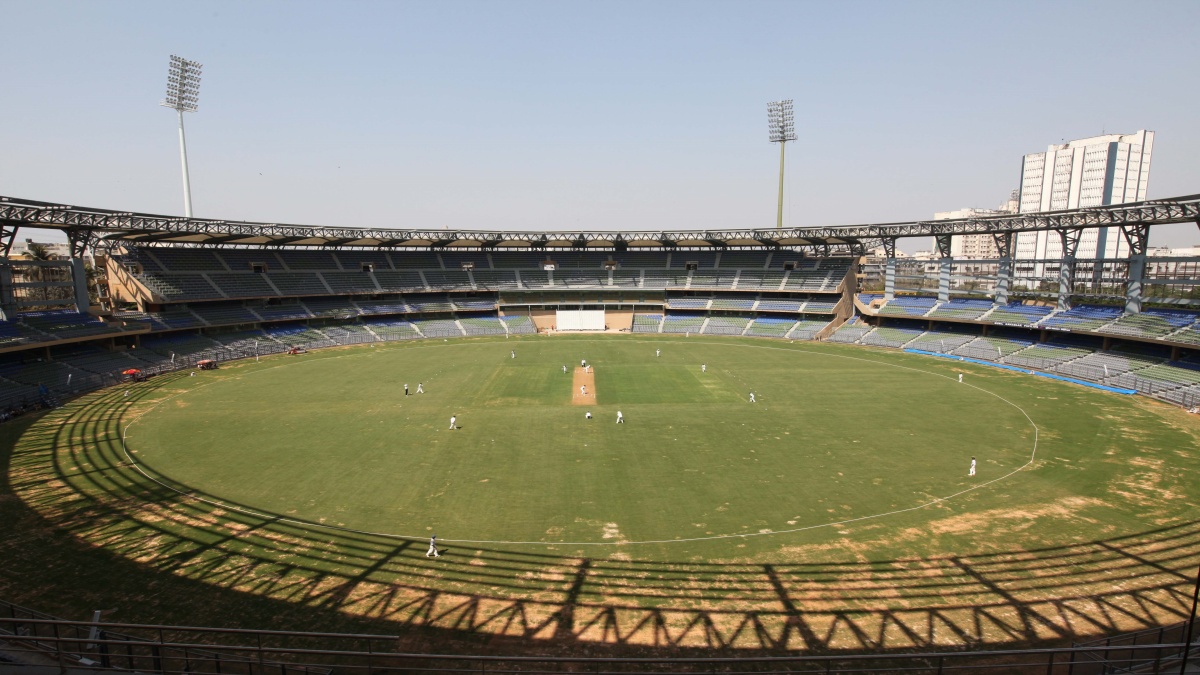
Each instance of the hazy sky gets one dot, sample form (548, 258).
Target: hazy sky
(574, 115)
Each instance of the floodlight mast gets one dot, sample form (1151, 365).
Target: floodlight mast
(781, 126)
(183, 95)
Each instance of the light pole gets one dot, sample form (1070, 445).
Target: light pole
(183, 95)
(781, 126)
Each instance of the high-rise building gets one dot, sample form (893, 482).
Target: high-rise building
(1096, 171)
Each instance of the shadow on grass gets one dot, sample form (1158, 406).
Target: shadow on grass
(82, 530)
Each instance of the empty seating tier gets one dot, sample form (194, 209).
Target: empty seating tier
(768, 281)
(742, 303)
(682, 323)
(483, 326)
(849, 333)
(351, 282)
(438, 328)
(1084, 317)
(1098, 366)
(646, 323)
(712, 279)
(688, 303)
(299, 283)
(520, 325)
(943, 343)
(1045, 356)
(242, 284)
(400, 281)
(766, 326)
(991, 348)
(890, 337)
(779, 305)
(1152, 323)
(1018, 314)
(908, 306)
(807, 329)
(726, 325)
(961, 309)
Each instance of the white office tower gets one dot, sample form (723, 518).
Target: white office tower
(1097, 171)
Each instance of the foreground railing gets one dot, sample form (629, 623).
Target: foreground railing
(32, 638)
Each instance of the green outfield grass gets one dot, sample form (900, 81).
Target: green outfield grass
(297, 492)
(330, 438)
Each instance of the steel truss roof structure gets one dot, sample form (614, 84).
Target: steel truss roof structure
(102, 225)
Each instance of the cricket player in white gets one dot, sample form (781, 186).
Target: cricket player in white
(583, 390)
(704, 367)
(657, 352)
(433, 552)
(620, 418)
(420, 388)
(960, 378)
(752, 398)
(971, 472)
(587, 415)
(453, 419)
(564, 370)
(514, 353)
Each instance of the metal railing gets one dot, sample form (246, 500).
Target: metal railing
(170, 650)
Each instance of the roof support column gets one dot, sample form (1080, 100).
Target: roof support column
(8, 234)
(7, 309)
(1138, 236)
(1004, 244)
(889, 270)
(80, 241)
(1066, 270)
(946, 263)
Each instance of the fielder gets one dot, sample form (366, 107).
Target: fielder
(587, 415)
(752, 398)
(513, 352)
(433, 552)
(971, 471)
(704, 367)
(564, 370)
(960, 378)
(453, 419)
(620, 418)
(657, 353)
(420, 388)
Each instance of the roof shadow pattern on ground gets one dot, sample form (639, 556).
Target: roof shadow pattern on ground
(70, 469)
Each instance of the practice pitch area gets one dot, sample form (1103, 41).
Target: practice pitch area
(841, 496)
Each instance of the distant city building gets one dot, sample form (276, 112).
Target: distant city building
(1167, 252)
(1096, 171)
(56, 250)
(977, 246)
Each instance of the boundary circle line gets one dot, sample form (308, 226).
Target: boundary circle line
(407, 537)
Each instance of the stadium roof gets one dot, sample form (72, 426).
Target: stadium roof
(114, 226)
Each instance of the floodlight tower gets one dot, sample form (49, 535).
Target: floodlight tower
(781, 126)
(183, 95)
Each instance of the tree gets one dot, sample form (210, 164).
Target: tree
(38, 251)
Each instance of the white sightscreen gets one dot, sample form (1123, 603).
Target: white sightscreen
(580, 319)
